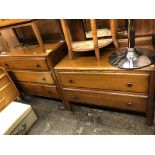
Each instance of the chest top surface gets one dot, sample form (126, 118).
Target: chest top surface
(90, 63)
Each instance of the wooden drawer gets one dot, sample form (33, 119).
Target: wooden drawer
(133, 102)
(24, 63)
(1, 71)
(28, 76)
(132, 82)
(7, 94)
(39, 89)
(3, 80)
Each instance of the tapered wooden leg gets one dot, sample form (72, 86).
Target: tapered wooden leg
(95, 40)
(150, 105)
(113, 28)
(70, 53)
(66, 103)
(38, 36)
(67, 37)
(6, 47)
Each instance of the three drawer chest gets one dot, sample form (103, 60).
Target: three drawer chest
(32, 70)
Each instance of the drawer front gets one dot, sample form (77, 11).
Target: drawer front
(39, 89)
(37, 77)
(7, 95)
(125, 101)
(107, 81)
(3, 80)
(21, 63)
(1, 71)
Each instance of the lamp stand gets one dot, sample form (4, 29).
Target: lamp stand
(131, 57)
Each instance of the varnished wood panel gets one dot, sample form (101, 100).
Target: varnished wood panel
(10, 38)
(7, 95)
(31, 76)
(134, 102)
(132, 82)
(24, 63)
(144, 27)
(4, 80)
(1, 71)
(39, 89)
(57, 54)
(76, 24)
(150, 105)
(10, 22)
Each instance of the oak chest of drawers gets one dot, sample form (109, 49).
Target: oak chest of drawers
(32, 70)
(8, 91)
(84, 80)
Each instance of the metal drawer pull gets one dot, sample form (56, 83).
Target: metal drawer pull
(49, 92)
(2, 100)
(43, 78)
(129, 84)
(130, 104)
(74, 97)
(23, 127)
(71, 81)
(37, 65)
(6, 65)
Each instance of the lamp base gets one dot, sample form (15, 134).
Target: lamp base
(131, 58)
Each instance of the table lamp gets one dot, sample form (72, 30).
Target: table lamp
(131, 57)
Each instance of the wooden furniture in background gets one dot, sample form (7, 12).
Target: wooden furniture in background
(8, 91)
(31, 67)
(3, 44)
(144, 31)
(50, 30)
(14, 23)
(88, 45)
(85, 80)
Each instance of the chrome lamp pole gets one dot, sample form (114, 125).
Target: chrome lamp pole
(131, 57)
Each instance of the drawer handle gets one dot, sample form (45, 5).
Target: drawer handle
(71, 81)
(6, 65)
(49, 92)
(44, 79)
(2, 100)
(37, 65)
(130, 104)
(23, 127)
(129, 84)
(74, 97)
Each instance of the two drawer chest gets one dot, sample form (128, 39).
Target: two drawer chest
(32, 70)
(85, 80)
